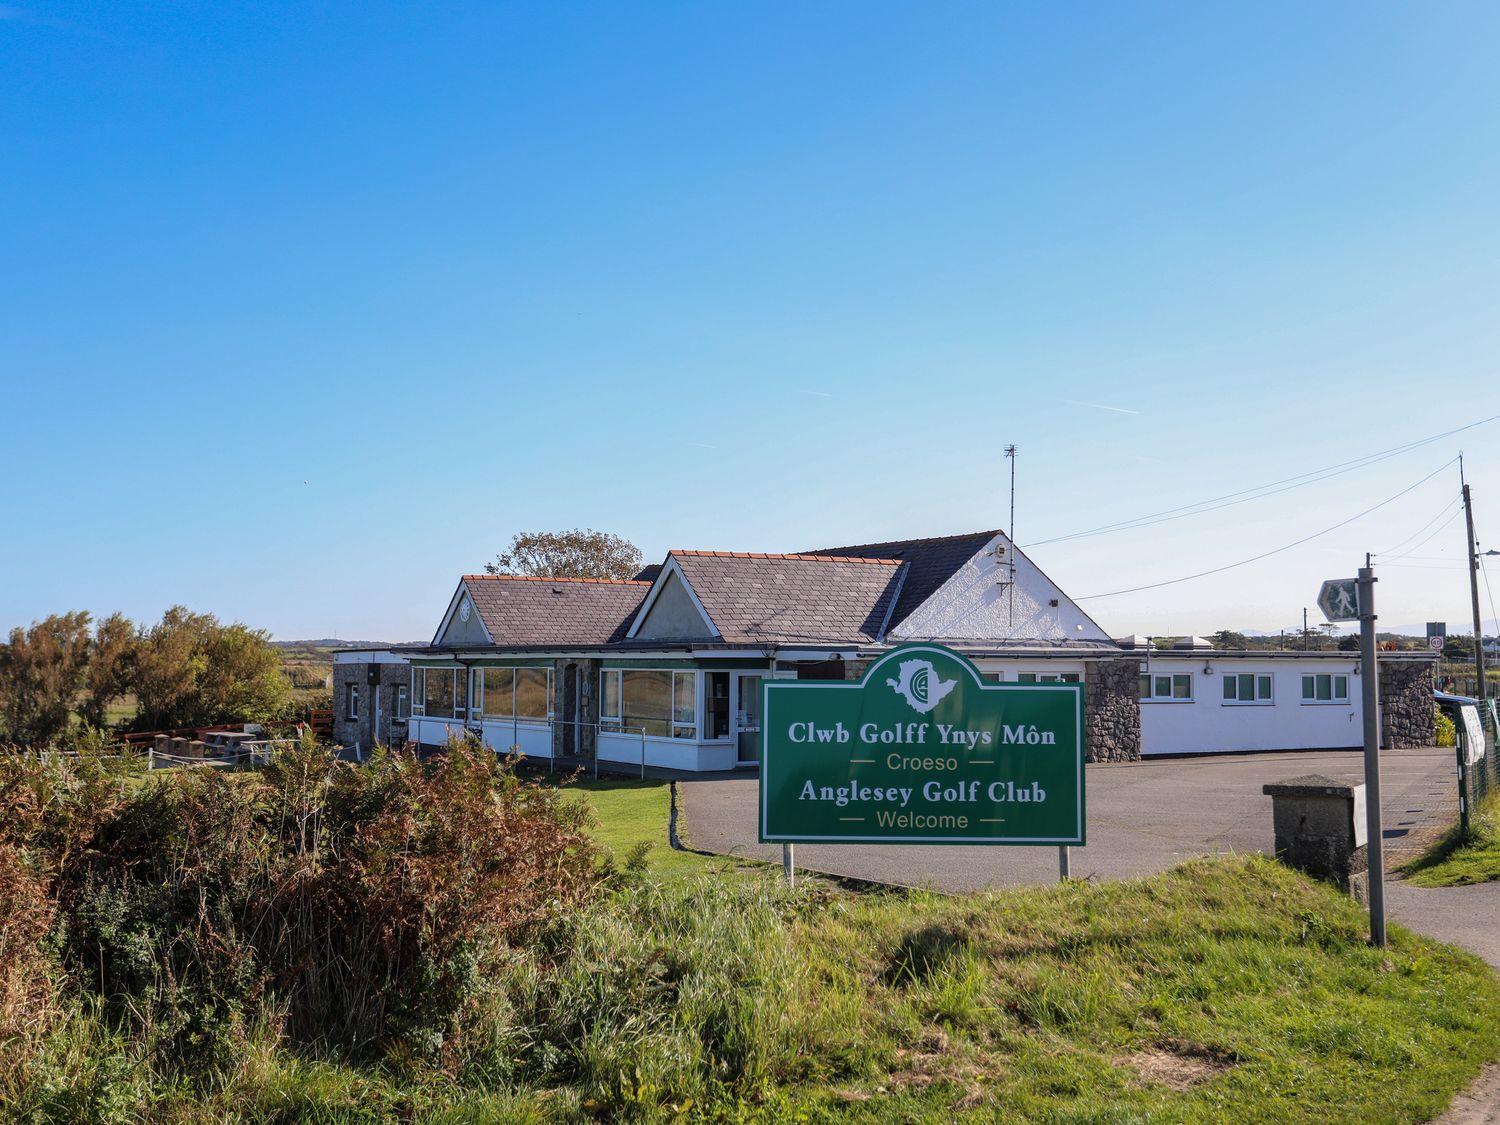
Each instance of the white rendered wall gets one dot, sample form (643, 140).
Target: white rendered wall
(976, 604)
(667, 753)
(1208, 724)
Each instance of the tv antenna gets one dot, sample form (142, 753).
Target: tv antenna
(1010, 530)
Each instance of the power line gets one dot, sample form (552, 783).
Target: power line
(1388, 558)
(1245, 495)
(1390, 551)
(1274, 551)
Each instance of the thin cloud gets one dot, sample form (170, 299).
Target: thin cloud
(1101, 406)
(817, 394)
(704, 445)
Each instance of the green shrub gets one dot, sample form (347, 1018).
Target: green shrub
(371, 906)
(1446, 734)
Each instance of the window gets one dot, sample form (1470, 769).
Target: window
(1247, 687)
(533, 693)
(716, 705)
(664, 704)
(499, 688)
(609, 700)
(433, 692)
(684, 704)
(646, 701)
(1173, 686)
(1046, 677)
(403, 702)
(1325, 688)
(351, 701)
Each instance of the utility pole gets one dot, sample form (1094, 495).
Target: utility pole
(1010, 530)
(1304, 628)
(1370, 705)
(1479, 691)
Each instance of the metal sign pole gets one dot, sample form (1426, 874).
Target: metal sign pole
(1370, 691)
(788, 864)
(1064, 864)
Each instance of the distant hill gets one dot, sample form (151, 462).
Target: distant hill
(334, 642)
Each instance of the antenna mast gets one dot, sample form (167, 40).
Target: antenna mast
(1010, 530)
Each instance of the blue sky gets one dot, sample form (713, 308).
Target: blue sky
(764, 277)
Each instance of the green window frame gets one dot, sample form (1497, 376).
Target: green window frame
(1325, 687)
(1248, 687)
(1166, 687)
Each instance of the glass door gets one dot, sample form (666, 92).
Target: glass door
(747, 717)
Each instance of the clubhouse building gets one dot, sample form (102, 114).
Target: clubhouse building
(664, 669)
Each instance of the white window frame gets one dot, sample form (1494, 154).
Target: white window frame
(678, 731)
(402, 702)
(1334, 699)
(1258, 680)
(351, 702)
(1155, 679)
(1049, 677)
(610, 720)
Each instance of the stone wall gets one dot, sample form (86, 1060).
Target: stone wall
(1112, 711)
(1406, 702)
(361, 731)
(566, 742)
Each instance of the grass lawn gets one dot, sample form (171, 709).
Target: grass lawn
(1455, 860)
(1225, 990)
(631, 813)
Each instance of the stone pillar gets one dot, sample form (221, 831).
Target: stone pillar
(1406, 709)
(1112, 711)
(1320, 829)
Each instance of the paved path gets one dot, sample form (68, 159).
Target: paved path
(1142, 817)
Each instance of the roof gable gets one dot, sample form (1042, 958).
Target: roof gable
(672, 611)
(999, 594)
(929, 562)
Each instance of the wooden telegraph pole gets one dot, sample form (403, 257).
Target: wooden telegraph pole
(1481, 686)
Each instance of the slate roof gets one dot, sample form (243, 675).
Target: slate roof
(521, 610)
(929, 563)
(788, 599)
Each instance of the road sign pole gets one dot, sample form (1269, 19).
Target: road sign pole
(789, 864)
(1064, 864)
(1370, 691)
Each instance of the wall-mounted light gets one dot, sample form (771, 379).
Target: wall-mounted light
(1208, 669)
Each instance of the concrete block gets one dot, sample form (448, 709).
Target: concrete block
(1314, 821)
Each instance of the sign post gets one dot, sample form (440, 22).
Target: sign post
(922, 750)
(1345, 599)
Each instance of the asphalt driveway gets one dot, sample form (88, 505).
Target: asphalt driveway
(1142, 817)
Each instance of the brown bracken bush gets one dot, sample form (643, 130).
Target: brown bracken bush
(364, 909)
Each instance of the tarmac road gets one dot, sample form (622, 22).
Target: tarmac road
(1142, 817)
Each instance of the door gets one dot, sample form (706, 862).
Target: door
(746, 730)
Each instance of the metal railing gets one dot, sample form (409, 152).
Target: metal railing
(255, 753)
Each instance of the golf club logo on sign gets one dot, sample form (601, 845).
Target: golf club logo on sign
(920, 685)
(997, 763)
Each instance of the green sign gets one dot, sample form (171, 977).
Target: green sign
(1339, 599)
(921, 751)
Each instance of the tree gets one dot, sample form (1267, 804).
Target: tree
(1229, 639)
(111, 667)
(1459, 648)
(569, 554)
(1349, 642)
(189, 669)
(41, 670)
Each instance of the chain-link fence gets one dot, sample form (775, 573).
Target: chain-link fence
(1476, 765)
